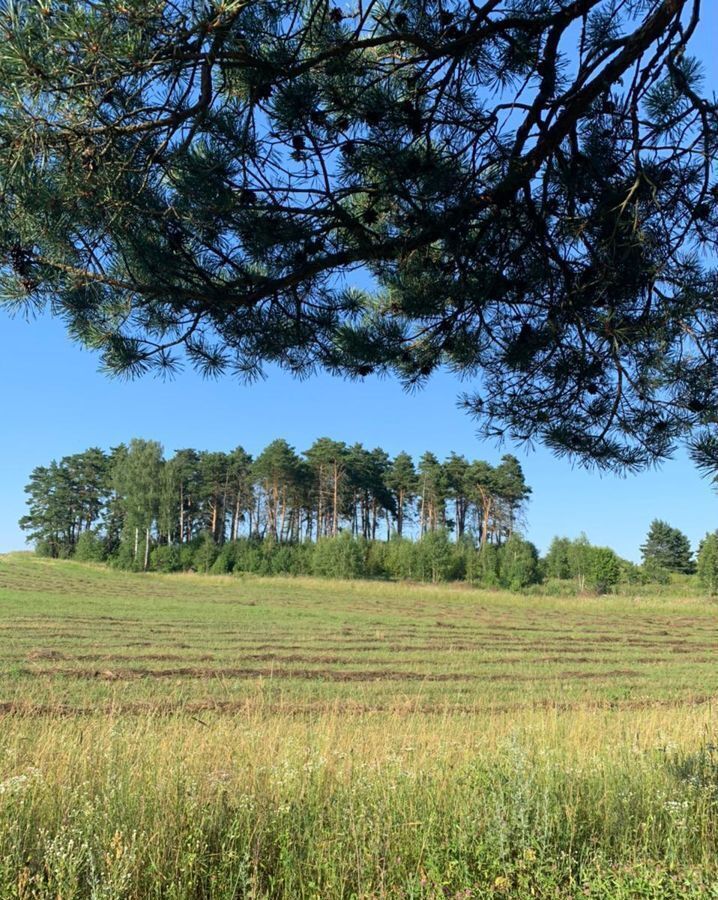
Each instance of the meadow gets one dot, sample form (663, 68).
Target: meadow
(187, 736)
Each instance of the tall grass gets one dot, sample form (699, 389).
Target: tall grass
(207, 738)
(597, 804)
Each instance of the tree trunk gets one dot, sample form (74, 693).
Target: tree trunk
(181, 515)
(284, 513)
(422, 515)
(319, 502)
(486, 511)
(335, 501)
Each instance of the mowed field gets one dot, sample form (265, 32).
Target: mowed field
(218, 737)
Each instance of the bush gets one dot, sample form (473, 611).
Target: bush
(340, 557)
(603, 570)
(654, 572)
(631, 573)
(377, 559)
(518, 564)
(47, 549)
(166, 559)
(483, 568)
(205, 554)
(436, 559)
(89, 547)
(707, 567)
(558, 562)
(400, 559)
(293, 559)
(124, 558)
(225, 561)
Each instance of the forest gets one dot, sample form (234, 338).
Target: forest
(133, 500)
(334, 510)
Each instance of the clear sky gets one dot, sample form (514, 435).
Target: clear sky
(54, 402)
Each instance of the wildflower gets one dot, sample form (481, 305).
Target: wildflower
(16, 784)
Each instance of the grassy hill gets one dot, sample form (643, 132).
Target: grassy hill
(205, 737)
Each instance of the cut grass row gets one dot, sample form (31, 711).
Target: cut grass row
(89, 634)
(188, 737)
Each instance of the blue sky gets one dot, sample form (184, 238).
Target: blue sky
(55, 403)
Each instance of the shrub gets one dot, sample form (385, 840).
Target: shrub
(631, 573)
(603, 569)
(124, 558)
(654, 572)
(166, 559)
(518, 563)
(707, 567)
(290, 559)
(435, 557)
(205, 553)
(377, 559)
(558, 562)
(340, 557)
(46, 548)
(400, 559)
(225, 561)
(89, 547)
(483, 566)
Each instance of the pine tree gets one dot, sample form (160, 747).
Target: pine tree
(456, 468)
(481, 486)
(276, 469)
(328, 460)
(199, 177)
(66, 499)
(401, 479)
(667, 548)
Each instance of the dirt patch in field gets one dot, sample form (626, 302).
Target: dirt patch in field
(248, 706)
(333, 675)
(141, 657)
(41, 653)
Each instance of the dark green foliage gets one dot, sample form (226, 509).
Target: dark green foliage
(434, 559)
(603, 570)
(483, 567)
(630, 573)
(224, 512)
(206, 553)
(89, 547)
(66, 499)
(667, 548)
(202, 175)
(401, 559)
(518, 565)
(166, 559)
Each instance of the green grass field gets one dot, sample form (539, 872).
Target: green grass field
(204, 737)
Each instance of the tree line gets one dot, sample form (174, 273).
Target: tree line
(665, 553)
(334, 510)
(132, 500)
